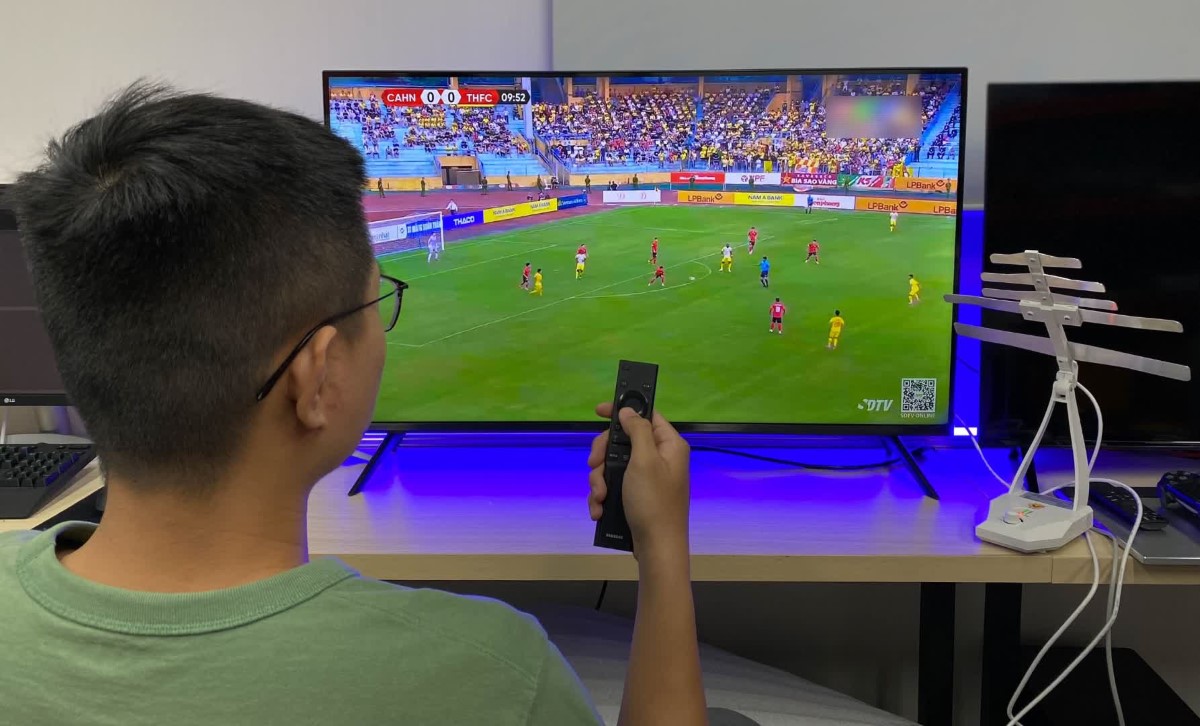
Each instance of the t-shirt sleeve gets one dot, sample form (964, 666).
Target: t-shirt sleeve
(560, 698)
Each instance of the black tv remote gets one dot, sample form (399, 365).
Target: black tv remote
(635, 389)
(1180, 490)
(1121, 504)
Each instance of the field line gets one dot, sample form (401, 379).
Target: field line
(708, 271)
(481, 262)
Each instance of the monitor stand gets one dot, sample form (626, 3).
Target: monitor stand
(914, 468)
(389, 444)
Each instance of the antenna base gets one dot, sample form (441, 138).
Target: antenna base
(1031, 522)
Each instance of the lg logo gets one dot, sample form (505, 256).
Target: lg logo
(876, 404)
(10, 400)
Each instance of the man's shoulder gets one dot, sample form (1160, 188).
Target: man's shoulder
(480, 624)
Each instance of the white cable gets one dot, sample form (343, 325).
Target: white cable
(1099, 426)
(1003, 482)
(1108, 658)
(4, 426)
(1014, 720)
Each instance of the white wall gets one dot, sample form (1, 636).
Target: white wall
(60, 58)
(998, 40)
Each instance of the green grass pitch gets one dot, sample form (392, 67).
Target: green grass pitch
(471, 346)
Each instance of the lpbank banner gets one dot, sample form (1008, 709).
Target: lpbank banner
(700, 177)
(809, 178)
(925, 184)
(739, 177)
(516, 211)
(630, 196)
(905, 206)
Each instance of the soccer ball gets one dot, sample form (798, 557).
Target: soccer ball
(691, 278)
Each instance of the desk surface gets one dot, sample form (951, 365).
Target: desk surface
(473, 514)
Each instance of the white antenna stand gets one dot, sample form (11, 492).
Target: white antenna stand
(1026, 521)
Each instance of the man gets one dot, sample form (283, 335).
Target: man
(814, 252)
(660, 276)
(580, 260)
(836, 323)
(751, 240)
(582, 251)
(483, 184)
(892, 219)
(525, 276)
(654, 251)
(508, 180)
(422, 186)
(587, 184)
(537, 283)
(541, 185)
(914, 291)
(452, 208)
(808, 209)
(778, 310)
(434, 249)
(727, 258)
(379, 186)
(764, 270)
(194, 600)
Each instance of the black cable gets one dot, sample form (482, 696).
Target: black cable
(603, 589)
(802, 465)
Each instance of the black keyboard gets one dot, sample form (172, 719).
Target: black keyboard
(1121, 504)
(31, 474)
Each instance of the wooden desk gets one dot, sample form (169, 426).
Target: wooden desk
(86, 483)
(466, 514)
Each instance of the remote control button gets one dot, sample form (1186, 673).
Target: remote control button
(634, 400)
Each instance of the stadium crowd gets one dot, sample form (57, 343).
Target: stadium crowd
(945, 144)
(735, 127)
(431, 128)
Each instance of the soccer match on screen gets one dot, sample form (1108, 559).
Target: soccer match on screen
(778, 243)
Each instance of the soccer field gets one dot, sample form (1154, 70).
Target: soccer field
(472, 346)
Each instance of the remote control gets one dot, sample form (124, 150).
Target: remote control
(1121, 504)
(635, 389)
(1180, 490)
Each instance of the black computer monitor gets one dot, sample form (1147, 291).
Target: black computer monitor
(28, 371)
(1105, 172)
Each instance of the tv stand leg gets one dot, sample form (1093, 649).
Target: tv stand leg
(390, 442)
(910, 463)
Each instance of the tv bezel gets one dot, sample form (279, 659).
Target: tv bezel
(597, 424)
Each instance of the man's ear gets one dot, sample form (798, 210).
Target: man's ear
(307, 379)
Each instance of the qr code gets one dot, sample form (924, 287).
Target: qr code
(918, 395)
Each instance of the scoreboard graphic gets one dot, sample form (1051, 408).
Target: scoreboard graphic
(463, 97)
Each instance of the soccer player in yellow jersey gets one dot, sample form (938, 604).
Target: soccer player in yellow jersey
(727, 258)
(914, 290)
(835, 329)
(580, 259)
(537, 282)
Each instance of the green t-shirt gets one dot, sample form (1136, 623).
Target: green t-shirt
(319, 644)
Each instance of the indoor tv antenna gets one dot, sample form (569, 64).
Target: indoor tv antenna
(1027, 521)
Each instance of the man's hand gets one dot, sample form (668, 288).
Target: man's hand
(655, 490)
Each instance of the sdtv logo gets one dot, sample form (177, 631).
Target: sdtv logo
(876, 404)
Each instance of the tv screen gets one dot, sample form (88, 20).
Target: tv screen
(778, 242)
(1057, 181)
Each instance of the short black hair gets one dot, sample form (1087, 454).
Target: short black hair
(178, 243)
(776, 299)
(837, 312)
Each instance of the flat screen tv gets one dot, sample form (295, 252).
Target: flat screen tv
(485, 189)
(1102, 172)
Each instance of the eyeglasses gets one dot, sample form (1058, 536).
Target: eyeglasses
(391, 296)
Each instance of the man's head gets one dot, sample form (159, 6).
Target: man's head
(776, 299)
(837, 313)
(181, 245)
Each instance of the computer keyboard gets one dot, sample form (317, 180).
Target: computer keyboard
(31, 474)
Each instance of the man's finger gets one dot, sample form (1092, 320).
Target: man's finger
(604, 410)
(639, 431)
(663, 430)
(599, 445)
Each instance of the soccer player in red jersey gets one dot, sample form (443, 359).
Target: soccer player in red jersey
(525, 277)
(654, 252)
(582, 250)
(778, 310)
(751, 240)
(814, 250)
(660, 275)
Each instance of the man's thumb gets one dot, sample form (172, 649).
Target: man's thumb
(640, 432)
